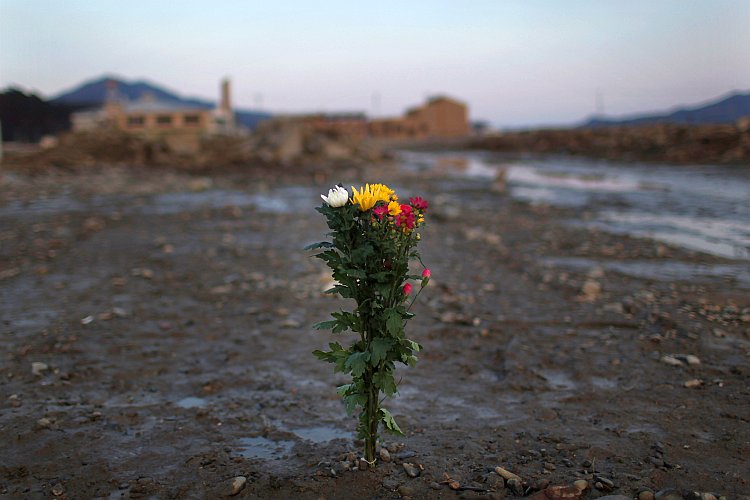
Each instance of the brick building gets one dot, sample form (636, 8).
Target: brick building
(440, 117)
(179, 125)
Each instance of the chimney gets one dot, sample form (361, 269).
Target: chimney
(112, 91)
(226, 101)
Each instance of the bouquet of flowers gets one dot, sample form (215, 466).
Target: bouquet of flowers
(374, 237)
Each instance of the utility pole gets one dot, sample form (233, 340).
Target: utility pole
(599, 102)
(375, 101)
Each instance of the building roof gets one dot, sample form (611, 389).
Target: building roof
(438, 98)
(149, 106)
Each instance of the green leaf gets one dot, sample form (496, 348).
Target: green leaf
(412, 345)
(342, 290)
(325, 325)
(360, 254)
(393, 323)
(385, 382)
(389, 423)
(357, 363)
(355, 273)
(320, 244)
(346, 321)
(379, 350)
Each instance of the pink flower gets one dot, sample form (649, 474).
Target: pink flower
(419, 203)
(380, 211)
(405, 217)
(426, 274)
(407, 289)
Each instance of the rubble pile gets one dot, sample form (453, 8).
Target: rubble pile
(662, 142)
(276, 142)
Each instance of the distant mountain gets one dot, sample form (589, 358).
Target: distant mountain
(26, 117)
(726, 109)
(93, 94)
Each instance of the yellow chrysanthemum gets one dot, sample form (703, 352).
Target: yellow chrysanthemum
(366, 197)
(394, 208)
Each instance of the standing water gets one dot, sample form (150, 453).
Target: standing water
(702, 208)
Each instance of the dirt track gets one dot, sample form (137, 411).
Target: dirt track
(172, 316)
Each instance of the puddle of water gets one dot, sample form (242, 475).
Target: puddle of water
(726, 238)
(191, 402)
(603, 383)
(660, 270)
(260, 447)
(288, 199)
(701, 208)
(603, 182)
(322, 434)
(558, 380)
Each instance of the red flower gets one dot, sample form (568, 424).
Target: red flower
(405, 218)
(407, 289)
(419, 203)
(380, 211)
(426, 273)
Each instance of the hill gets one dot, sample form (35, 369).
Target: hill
(93, 93)
(26, 117)
(727, 109)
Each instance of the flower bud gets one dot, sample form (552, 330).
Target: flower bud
(426, 273)
(407, 288)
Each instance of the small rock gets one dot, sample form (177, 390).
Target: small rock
(692, 384)
(605, 481)
(385, 456)
(591, 290)
(506, 474)
(405, 491)
(362, 464)
(645, 494)
(87, 320)
(237, 484)
(395, 447)
(44, 423)
(515, 485)
(668, 494)
(495, 481)
(549, 466)
(558, 493)
(411, 470)
(119, 312)
(58, 489)
(38, 368)
(581, 484)
(539, 485)
(708, 496)
(290, 323)
(692, 360)
(434, 485)
(615, 497)
(671, 361)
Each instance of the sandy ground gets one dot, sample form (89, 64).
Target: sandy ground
(157, 344)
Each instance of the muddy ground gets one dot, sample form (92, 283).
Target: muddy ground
(157, 344)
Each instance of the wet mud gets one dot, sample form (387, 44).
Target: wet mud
(157, 344)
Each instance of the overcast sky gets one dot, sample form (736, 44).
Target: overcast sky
(516, 63)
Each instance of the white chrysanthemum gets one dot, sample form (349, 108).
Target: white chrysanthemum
(337, 197)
